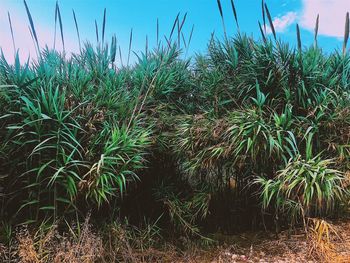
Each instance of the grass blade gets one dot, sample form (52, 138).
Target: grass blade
(178, 33)
(173, 28)
(262, 32)
(316, 30)
(298, 38)
(222, 18)
(180, 26)
(183, 39)
(32, 36)
(113, 48)
(96, 29)
(35, 37)
(234, 13)
(346, 34)
(220, 9)
(60, 22)
(212, 37)
(103, 26)
(54, 36)
(121, 57)
(130, 43)
(13, 39)
(77, 29)
(190, 38)
(270, 21)
(263, 15)
(299, 50)
(183, 21)
(168, 41)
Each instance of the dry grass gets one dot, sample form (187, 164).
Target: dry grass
(80, 245)
(85, 248)
(323, 242)
(26, 248)
(321, 236)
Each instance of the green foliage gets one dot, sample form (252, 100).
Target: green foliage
(64, 133)
(304, 188)
(76, 131)
(122, 155)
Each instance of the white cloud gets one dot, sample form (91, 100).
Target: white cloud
(332, 16)
(281, 23)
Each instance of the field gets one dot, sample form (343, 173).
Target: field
(218, 157)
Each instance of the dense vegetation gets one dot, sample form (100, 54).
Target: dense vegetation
(253, 129)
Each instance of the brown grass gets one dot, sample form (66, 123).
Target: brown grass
(321, 236)
(84, 248)
(26, 248)
(323, 242)
(49, 246)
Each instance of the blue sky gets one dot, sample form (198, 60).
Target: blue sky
(141, 16)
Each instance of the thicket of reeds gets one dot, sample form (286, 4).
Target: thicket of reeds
(255, 132)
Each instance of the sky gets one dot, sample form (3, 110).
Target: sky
(141, 17)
